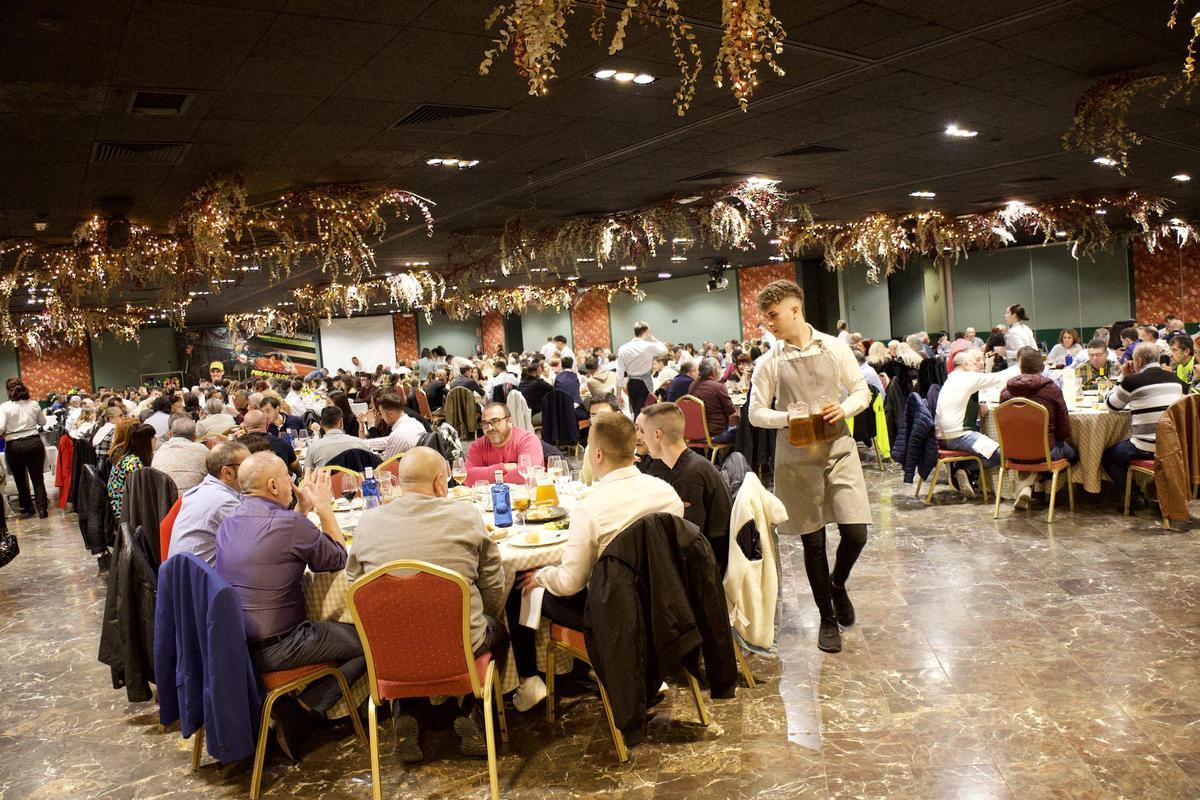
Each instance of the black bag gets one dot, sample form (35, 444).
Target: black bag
(8, 548)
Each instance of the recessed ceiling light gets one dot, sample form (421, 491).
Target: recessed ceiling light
(1182, 177)
(604, 74)
(629, 267)
(791, 219)
(623, 77)
(686, 201)
(679, 258)
(1061, 234)
(1104, 161)
(664, 275)
(1175, 221)
(773, 241)
(960, 133)
(1101, 211)
(584, 260)
(461, 163)
(571, 278)
(679, 240)
(775, 258)
(433, 162)
(642, 79)
(489, 280)
(925, 195)
(760, 182)
(540, 269)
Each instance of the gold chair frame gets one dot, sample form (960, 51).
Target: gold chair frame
(1054, 473)
(709, 444)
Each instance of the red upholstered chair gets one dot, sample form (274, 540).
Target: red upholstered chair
(571, 642)
(415, 630)
(946, 458)
(166, 527)
(695, 426)
(1024, 433)
(1141, 466)
(336, 477)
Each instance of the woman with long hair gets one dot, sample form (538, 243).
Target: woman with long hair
(20, 418)
(1068, 346)
(135, 452)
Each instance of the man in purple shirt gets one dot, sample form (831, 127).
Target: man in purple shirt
(263, 549)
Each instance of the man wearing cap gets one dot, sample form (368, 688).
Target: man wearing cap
(216, 372)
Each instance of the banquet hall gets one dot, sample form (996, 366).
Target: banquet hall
(572, 399)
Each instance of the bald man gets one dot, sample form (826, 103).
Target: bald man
(255, 423)
(263, 549)
(426, 525)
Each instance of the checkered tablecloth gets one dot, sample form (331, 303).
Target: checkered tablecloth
(1092, 432)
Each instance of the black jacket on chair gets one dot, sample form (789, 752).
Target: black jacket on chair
(149, 495)
(355, 459)
(101, 523)
(559, 423)
(85, 453)
(127, 634)
(654, 603)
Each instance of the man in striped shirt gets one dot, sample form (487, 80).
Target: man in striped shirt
(1146, 393)
(406, 432)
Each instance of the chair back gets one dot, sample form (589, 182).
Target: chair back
(518, 407)
(355, 459)
(335, 477)
(392, 465)
(559, 424)
(165, 529)
(415, 629)
(695, 421)
(1024, 432)
(423, 403)
(462, 411)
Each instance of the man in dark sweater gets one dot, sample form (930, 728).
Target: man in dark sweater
(680, 384)
(718, 408)
(706, 499)
(1031, 384)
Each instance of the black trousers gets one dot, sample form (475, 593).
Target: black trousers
(27, 461)
(638, 392)
(816, 563)
(566, 611)
(312, 643)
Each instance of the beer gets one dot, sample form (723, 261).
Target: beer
(801, 432)
(546, 494)
(520, 501)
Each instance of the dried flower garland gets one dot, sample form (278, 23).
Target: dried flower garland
(1189, 63)
(536, 32)
(1100, 126)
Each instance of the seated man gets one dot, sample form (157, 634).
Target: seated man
(680, 385)
(405, 432)
(334, 439)
(255, 425)
(620, 496)
(181, 456)
(1031, 384)
(500, 377)
(205, 506)
(600, 405)
(718, 408)
(568, 381)
(263, 549)
(436, 389)
(1099, 364)
(425, 525)
(279, 422)
(464, 379)
(217, 421)
(706, 498)
(1146, 393)
(966, 380)
(1183, 358)
(501, 447)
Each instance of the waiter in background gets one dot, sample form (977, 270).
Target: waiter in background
(821, 481)
(635, 361)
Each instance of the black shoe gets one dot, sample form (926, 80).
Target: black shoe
(43, 514)
(407, 745)
(842, 605)
(104, 562)
(829, 639)
(292, 726)
(471, 742)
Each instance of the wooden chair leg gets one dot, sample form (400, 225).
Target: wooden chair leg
(701, 711)
(743, 665)
(373, 724)
(550, 682)
(260, 753)
(1053, 494)
(999, 492)
(489, 728)
(1128, 490)
(197, 747)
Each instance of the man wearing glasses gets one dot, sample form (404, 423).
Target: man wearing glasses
(207, 503)
(501, 448)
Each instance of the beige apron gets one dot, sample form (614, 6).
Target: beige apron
(823, 483)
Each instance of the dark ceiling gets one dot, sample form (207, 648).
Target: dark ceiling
(293, 92)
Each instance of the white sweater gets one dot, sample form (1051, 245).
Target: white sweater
(752, 587)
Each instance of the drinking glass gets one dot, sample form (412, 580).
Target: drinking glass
(554, 466)
(800, 425)
(387, 486)
(524, 466)
(459, 471)
(482, 492)
(351, 485)
(520, 501)
(824, 431)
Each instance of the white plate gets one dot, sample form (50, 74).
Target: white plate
(537, 538)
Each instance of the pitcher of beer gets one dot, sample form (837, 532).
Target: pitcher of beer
(800, 425)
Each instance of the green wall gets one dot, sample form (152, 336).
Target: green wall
(678, 310)
(865, 305)
(118, 363)
(906, 295)
(537, 325)
(822, 298)
(459, 337)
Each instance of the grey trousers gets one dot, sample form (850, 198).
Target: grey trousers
(311, 643)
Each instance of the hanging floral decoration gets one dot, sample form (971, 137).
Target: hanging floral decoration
(464, 304)
(1101, 126)
(536, 32)
(1189, 63)
(886, 242)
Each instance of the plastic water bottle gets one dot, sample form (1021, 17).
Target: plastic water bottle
(501, 502)
(370, 490)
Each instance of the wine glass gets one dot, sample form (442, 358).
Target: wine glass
(351, 485)
(458, 471)
(554, 466)
(524, 466)
(520, 501)
(482, 491)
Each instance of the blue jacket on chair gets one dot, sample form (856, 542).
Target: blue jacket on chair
(916, 447)
(200, 655)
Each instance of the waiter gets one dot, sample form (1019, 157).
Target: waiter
(635, 361)
(822, 482)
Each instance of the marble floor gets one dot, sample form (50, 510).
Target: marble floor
(992, 659)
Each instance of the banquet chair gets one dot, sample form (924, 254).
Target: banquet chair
(423, 407)
(695, 427)
(1023, 429)
(571, 642)
(1140, 466)
(165, 528)
(335, 477)
(416, 635)
(946, 458)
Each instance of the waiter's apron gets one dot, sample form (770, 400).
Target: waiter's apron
(823, 483)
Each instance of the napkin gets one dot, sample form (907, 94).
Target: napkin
(531, 608)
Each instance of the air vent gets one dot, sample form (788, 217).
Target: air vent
(139, 152)
(811, 150)
(436, 116)
(162, 104)
(1029, 181)
(717, 175)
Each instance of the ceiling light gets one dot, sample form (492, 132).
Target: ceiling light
(1182, 177)
(489, 280)
(1104, 161)
(623, 77)
(604, 74)
(1061, 234)
(678, 240)
(664, 275)
(760, 182)
(433, 162)
(960, 133)
(540, 269)
(1101, 211)
(571, 278)
(643, 79)
(629, 268)
(686, 201)
(924, 195)
(679, 258)
(791, 219)
(1175, 221)
(584, 260)
(775, 258)
(774, 241)
(41, 225)
(461, 163)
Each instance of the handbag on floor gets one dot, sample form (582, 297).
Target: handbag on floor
(8, 548)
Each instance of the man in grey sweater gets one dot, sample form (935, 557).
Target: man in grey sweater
(426, 525)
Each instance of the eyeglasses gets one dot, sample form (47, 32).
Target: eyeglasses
(491, 423)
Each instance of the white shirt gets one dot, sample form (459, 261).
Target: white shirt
(19, 420)
(296, 403)
(406, 432)
(500, 379)
(620, 498)
(566, 353)
(665, 376)
(1015, 338)
(548, 350)
(957, 391)
(101, 432)
(765, 379)
(183, 460)
(844, 336)
(636, 357)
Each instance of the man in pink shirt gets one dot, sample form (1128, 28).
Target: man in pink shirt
(501, 447)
